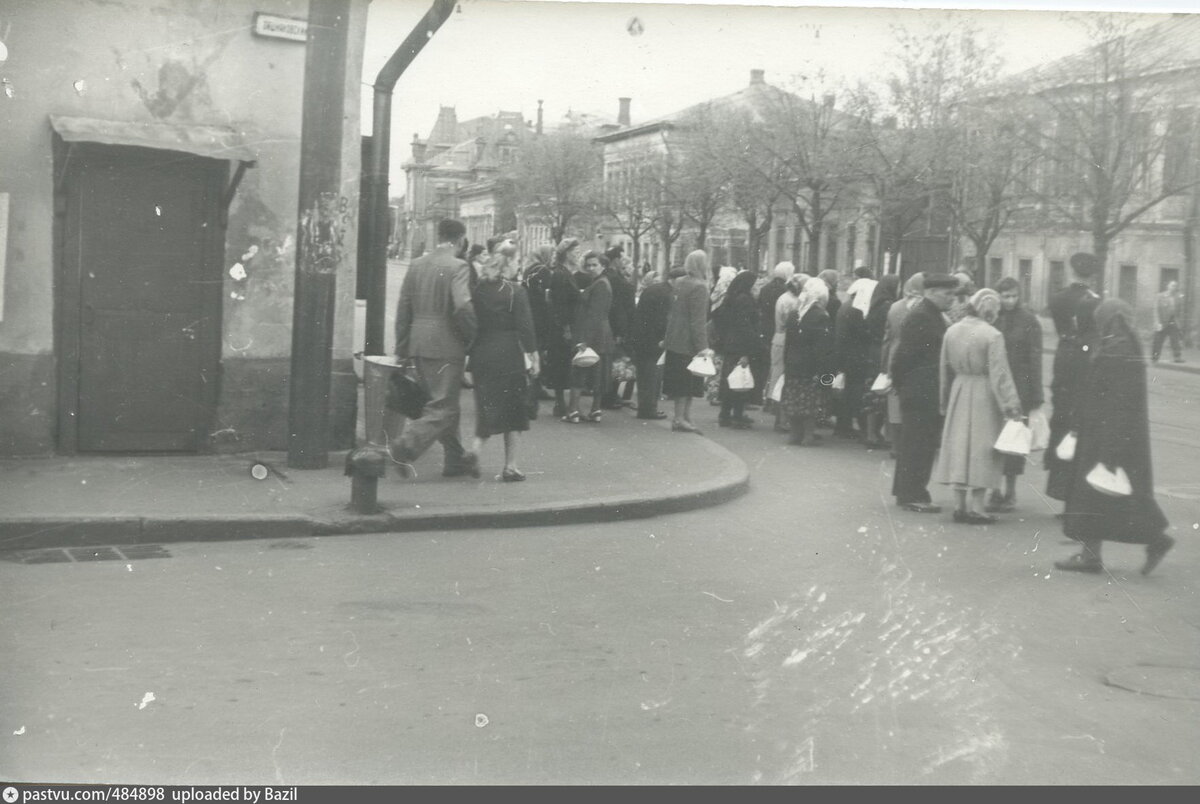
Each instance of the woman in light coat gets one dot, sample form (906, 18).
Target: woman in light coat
(977, 395)
(687, 336)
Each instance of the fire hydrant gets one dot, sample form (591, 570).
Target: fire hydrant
(365, 465)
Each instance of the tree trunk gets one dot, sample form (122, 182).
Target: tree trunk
(814, 249)
(1100, 249)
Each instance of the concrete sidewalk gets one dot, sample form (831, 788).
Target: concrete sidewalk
(620, 468)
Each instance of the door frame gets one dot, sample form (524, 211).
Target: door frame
(68, 158)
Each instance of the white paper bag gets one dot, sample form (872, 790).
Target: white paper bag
(662, 358)
(776, 392)
(1066, 448)
(1040, 428)
(1014, 439)
(882, 384)
(740, 379)
(585, 358)
(839, 382)
(702, 366)
(1114, 483)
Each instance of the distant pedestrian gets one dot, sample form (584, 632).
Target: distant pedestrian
(646, 343)
(1166, 322)
(915, 374)
(874, 405)
(1023, 344)
(962, 297)
(620, 317)
(785, 305)
(504, 357)
(738, 341)
(435, 322)
(808, 364)
(832, 280)
(1113, 431)
(977, 396)
(537, 283)
(914, 290)
(686, 337)
(562, 298)
(1071, 309)
(591, 330)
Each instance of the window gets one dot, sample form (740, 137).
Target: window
(1127, 284)
(1166, 276)
(995, 270)
(1058, 276)
(1025, 277)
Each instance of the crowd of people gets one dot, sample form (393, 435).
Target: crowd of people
(932, 370)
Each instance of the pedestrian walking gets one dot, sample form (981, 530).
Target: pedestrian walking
(1113, 432)
(562, 299)
(503, 357)
(1166, 322)
(435, 323)
(686, 337)
(914, 290)
(977, 396)
(591, 330)
(646, 342)
(1071, 310)
(809, 362)
(1023, 344)
(738, 341)
(874, 405)
(915, 370)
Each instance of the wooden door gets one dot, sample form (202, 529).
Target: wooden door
(142, 323)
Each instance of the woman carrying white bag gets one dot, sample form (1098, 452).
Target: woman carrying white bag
(686, 338)
(1112, 451)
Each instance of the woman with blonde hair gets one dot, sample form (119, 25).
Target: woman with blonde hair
(687, 336)
(503, 348)
(977, 395)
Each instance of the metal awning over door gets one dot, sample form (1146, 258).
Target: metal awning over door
(214, 142)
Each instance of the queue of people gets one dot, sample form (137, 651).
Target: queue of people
(935, 371)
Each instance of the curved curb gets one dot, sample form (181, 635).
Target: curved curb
(39, 532)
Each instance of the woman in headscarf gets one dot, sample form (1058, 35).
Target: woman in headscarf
(537, 284)
(716, 297)
(1112, 428)
(853, 355)
(914, 291)
(562, 298)
(874, 405)
(767, 298)
(737, 341)
(503, 346)
(977, 395)
(687, 336)
(785, 306)
(808, 363)
(1023, 343)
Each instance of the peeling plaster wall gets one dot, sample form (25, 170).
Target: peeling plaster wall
(180, 62)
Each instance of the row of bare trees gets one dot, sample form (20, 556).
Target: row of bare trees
(1087, 144)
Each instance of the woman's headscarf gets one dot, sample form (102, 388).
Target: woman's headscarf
(696, 265)
(796, 282)
(985, 304)
(783, 270)
(742, 283)
(543, 255)
(914, 288)
(814, 293)
(724, 277)
(1114, 322)
(563, 249)
(861, 291)
(885, 293)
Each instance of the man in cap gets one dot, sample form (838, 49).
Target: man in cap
(1071, 309)
(914, 368)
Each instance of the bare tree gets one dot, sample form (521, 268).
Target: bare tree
(628, 198)
(698, 187)
(557, 177)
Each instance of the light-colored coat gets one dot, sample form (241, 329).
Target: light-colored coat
(434, 316)
(976, 387)
(687, 320)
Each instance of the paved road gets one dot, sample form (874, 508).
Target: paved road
(806, 633)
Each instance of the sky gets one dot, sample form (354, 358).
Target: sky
(497, 55)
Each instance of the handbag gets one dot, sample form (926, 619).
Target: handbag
(585, 358)
(623, 370)
(1040, 429)
(1066, 448)
(1014, 439)
(532, 392)
(776, 392)
(882, 384)
(1114, 483)
(405, 392)
(702, 366)
(740, 379)
(839, 382)
(662, 359)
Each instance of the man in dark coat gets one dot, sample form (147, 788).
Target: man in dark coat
(620, 317)
(1071, 309)
(915, 372)
(645, 342)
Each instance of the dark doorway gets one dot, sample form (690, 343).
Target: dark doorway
(139, 299)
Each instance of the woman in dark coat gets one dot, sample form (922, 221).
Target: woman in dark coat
(738, 341)
(1112, 426)
(1023, 343)
(592, 329)
(562, 299)
(503, 345)
(874, 405)
(808, 363)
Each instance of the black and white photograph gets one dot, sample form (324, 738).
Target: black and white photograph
(406, 393)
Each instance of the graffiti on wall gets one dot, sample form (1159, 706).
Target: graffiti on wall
(323, 230)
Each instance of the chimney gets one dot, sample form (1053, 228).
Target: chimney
(538, 130)
(418, 149)
(756, 77)
(623, 115)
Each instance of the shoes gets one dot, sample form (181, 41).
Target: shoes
(574, 417)
(1155, 553)
(559, 411)
(594, 416)
(512, 476)
(921, 508)
(658, 414)
(999, 504)
(618, 405)
(1079, 563)
(467, 465)
(973, 518)
(685, 427)
(744, 423)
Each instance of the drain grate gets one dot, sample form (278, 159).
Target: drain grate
(66, 555)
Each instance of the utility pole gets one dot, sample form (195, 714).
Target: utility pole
(324, 216)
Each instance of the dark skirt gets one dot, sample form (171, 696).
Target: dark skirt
(807, 398)
(725, 394)
(501, 404)
(677, 381)
(1014, 465)
(556, 364)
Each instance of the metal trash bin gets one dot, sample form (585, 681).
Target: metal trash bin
(377, 371)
